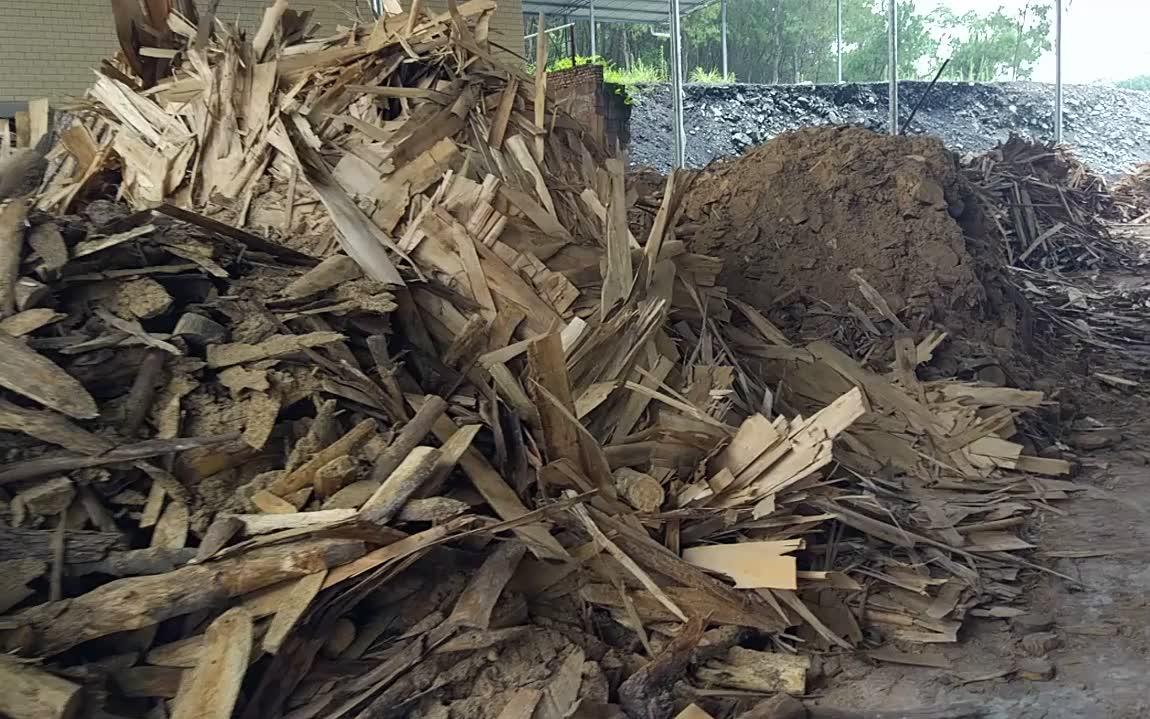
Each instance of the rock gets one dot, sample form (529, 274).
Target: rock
(1032, 622)
(1089, 440)
(1036, 670)
(1040, 643)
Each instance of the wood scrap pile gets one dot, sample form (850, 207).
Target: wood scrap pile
(498, 457)
(1047, 206)
(1131, 195)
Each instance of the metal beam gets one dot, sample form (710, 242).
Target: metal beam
(892, 62)
(838, 40)
(723, 20)
(591, 10)
(677, 86)
(1058, 70)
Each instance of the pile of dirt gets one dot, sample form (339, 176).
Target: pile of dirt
(802, 219)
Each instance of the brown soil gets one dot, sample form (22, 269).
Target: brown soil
(792, 218)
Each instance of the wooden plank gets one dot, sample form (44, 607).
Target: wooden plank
(213, 688)
(28, 373)
(619, 277)
(751, 564)
(38, 120)
(548, 372)
(541, 39)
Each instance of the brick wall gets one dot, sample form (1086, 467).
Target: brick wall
(595, 104)
(47, 47)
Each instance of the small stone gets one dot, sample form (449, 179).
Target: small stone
(1051, 452)
(1040, 643)
(1036, 670)
(1032, 622)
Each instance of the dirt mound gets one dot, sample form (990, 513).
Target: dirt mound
(811, 212)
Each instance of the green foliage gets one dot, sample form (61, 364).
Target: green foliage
(637, 74)
(704, 76)
(793, 41)
(998, 46)
(1140, 82)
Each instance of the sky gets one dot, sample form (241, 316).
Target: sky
(1103, 40)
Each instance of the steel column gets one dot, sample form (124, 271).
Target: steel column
(839, 40)
(594, 49)
(1058, 70)
(892, 62)
(677, 85)
(723, 16)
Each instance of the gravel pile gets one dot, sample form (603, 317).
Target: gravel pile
(1108, 127)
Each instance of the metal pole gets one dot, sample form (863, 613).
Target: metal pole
(839, 40)
(594, 49)
(1058, 70)
(677, 86)
(892, 63)
(723, 15)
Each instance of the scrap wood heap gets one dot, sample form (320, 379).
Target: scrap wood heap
(1048, 207)
(298, 481)
(1052, 214)
(1132, 196)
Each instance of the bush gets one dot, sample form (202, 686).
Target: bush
(638, 73)
(710, 77)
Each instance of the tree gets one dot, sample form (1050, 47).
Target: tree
(997, 46)
(793, 41)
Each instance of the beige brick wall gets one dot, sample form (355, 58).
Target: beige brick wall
(48, 47)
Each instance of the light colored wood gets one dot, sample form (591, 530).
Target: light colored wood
(548, 372)
(294, 604)
(751, 564)
(12, 216)
(693, 711)
(305, 475)
(619, 276)
(400, 485)
(213, 687)
(171, 531)
(28, 692)
(755, 671)
(541, 40)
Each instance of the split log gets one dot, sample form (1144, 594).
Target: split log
(28, 692)
(400, 486)
(409, 437)
(138, 602)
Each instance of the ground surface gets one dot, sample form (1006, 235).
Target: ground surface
(1104, 625)
(1108, 127)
